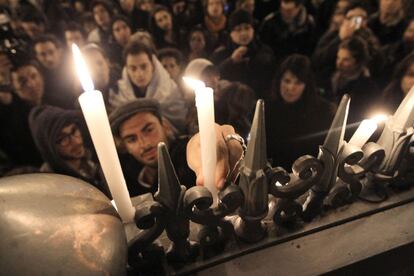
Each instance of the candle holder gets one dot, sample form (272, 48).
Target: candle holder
(329, 154)
(165, 212)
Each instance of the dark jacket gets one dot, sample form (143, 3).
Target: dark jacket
(387, 34)
(132, 168)
(15, 138)
(286, 39)
(297, 129)
(256, 70)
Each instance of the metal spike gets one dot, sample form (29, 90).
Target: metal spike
(255, 158)
(169, 187)
(335, 136)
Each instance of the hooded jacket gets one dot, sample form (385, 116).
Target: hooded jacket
(45, 123)
(161, 88)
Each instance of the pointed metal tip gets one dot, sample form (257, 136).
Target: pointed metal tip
(255, 158)
(169, 187)
(336, 133)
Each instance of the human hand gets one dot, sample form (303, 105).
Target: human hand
(347, 29)
(228, 154)
(238, 54)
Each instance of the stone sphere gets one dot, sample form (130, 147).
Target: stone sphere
(53, 224)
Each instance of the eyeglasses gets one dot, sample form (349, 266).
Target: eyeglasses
(65, 139)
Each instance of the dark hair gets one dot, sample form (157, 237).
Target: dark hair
(393, 89)
(137, 47)
(120, 18)
(157, 32)
(300, 66)
(358, 49)
(26, 62)
(75, 27)
(31, 14)
(106, 4)
(171, 52)
(296, 2)
(47, 38)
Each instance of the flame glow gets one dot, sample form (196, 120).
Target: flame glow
(82, 69)
(194, 83)
(379, 118)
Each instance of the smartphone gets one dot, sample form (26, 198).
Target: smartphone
(357, 22)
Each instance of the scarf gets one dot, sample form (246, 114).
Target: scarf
(215, 27)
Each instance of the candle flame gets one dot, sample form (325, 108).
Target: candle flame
(82, 69)
(379, 118)
(194, 83)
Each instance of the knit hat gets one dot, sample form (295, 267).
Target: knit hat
(238, 17)
(124, 112)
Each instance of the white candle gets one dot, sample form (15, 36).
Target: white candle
(363, 133)
(204, 99)
(93, 109)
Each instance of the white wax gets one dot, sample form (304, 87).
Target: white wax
(93, 109)
(205, 113)
(363, 133)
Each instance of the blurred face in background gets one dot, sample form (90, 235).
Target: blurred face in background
(146, 5)
(101, 16)
(408, 36)
(74, 36)
(33, 29)
(28, 84)
(48, 54)
(289, 10)
(242, 34)
(163, 20)
(99, 68)
(121, 32)
(215, 8)
(69, 143)
(390, 7)
(171, 65)
(248, 5)
(346, 64)
(197, 41)
(291, 88)
(408, 79)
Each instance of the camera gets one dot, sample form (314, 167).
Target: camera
(357, 21)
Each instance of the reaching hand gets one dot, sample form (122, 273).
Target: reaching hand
(228, 153)
(238, 54)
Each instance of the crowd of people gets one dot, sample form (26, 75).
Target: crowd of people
(300, 56)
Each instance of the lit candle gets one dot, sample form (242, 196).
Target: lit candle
(205, 112)
(93, 109)
(365, 131)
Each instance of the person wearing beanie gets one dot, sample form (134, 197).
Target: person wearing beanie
(138, 128)
(245, 58)
(61, 138)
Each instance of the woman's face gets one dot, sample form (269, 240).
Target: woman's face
(408, 79)
(291, 88)
(121, 32)
(345, 62)
(197, 41)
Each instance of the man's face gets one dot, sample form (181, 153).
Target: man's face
(121, 32)
(215, 8)
(390, 6)
(140, 69)
(345, 62)
(170, 64)
(69, 143)
(248, 5)
(242, 34)
(33, 29)
(163, 20)
(48, 54)
(74, 37)
(101, 16)
(140, 135)
(28, 84)
(99, 67)
(289, 10)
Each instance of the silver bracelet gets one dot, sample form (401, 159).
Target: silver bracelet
(238, 138)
